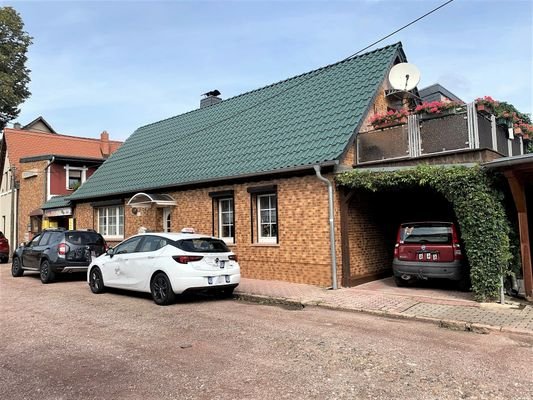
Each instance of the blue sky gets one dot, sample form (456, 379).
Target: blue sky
(119, 65)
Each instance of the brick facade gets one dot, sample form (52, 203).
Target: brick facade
(303, 253)
(31, 194)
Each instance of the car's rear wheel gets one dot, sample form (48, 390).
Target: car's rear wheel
(96, 282)
(16, 268)
(5, 260)
(46, 273)
(161, 289)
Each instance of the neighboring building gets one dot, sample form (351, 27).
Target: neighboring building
(437, 92)
(39, 164)
(249, 170)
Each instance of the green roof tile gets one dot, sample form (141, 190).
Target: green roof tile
(56, 202)
(303, 125)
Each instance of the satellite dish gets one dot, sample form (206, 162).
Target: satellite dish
(404, 76)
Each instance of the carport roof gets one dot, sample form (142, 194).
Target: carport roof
(293, 124)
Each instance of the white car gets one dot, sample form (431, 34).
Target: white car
(166, 264)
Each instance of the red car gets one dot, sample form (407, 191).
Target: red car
(4, 249)
(428, 250)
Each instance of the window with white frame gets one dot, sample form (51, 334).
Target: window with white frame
(226, 222)
(267, 218)
(167, 221)
(75, 176)
(111, 222)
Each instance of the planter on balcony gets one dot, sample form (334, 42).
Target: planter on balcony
(444, 113)
(484, 108)
(400, 121)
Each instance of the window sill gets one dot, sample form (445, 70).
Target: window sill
(265, 244)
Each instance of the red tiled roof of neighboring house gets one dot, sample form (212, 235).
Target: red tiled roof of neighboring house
(22, 144)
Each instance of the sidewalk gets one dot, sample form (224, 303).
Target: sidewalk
(451, 309)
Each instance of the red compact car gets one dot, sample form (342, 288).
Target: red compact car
(4, 249)
(429, 250)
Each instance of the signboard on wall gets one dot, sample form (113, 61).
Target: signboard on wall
(58, 212)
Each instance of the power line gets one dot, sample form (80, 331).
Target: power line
(300, 82)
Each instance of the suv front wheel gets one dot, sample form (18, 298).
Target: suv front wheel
(46, 273)
(16, 268)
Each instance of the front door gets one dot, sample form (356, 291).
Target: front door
(29, 254)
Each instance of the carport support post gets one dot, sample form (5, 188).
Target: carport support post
(519, 196)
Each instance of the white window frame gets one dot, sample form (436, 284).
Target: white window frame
(68, 168)
(118, 232)
(229, 239)
(273, 207)
(166, 218)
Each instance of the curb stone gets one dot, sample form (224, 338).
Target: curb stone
(442, 323)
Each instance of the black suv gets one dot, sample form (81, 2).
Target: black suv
(58, 250)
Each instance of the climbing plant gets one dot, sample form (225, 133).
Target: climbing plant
(478, 206)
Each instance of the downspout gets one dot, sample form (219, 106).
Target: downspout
(48, 187)
(331, 227)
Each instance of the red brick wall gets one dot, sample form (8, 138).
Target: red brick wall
(31, 194)
(302, 254)
(58, 183)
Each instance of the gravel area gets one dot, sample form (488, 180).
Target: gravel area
(60, 341)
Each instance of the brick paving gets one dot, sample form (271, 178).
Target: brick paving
(448, 307)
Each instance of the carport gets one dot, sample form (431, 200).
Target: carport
(370, 221)
(519, 173)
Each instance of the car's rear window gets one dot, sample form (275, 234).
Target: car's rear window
(202, 245)
(427, 233)
(84, 238)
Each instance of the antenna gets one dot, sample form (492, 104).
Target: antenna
(404, 76)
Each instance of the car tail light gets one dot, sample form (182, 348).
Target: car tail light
(186, 259)
(62, 249)
(233, 257)
(396, 250)
(457, 253)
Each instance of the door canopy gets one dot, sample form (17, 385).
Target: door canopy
(145, 200)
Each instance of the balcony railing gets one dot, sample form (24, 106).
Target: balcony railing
(437, 134)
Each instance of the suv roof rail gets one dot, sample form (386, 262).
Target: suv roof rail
(82, 230)
(54, 229)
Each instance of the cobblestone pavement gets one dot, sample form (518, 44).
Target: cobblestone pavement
(450, 308)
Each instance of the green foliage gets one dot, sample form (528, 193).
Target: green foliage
(506, 110)
(14, 76)
(478, 207)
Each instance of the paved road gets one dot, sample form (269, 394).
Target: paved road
(60, 341)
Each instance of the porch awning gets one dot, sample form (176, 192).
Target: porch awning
(141, 200)
(56, 202)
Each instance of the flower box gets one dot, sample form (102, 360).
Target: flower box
(484, 108)
(400, 121)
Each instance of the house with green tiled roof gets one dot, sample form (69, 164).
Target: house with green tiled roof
(257, 170)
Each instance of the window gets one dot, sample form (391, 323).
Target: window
(267, 224)
(226, 223)
(128, 246)
(111, 221)
(75, 176)
(167, 226)
(45, 238)
(153, 243)
(202, 245)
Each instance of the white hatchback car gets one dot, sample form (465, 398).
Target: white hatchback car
(166, 264)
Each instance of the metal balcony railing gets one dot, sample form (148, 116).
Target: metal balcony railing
(437, 134)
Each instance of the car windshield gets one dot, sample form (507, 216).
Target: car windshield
(84, 238)
(436, 233)
(202, 245)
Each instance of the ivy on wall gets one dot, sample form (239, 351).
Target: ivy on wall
(478, 206)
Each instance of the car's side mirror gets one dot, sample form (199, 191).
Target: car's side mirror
(110, 252)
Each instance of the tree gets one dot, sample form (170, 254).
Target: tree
(14, 76)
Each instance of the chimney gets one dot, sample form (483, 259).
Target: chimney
(104, 144)
(210, 98)
(17, 125)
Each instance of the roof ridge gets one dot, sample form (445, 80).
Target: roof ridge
(351, 58)
(57, 135)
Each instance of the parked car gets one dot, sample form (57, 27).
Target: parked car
(4, 248)
(58, 251)
(429, 250)
(165, 265)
